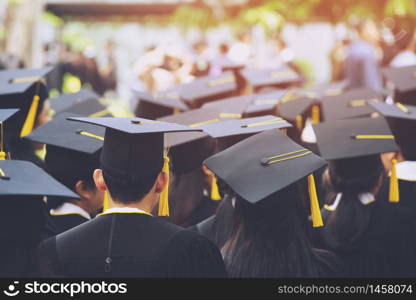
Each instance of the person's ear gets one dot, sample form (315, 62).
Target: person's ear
(161, 182)
(99, 180)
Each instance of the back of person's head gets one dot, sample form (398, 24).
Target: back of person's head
(269, 239)
(404, 132)
(69, 167)
(353, 177)
(128, 189)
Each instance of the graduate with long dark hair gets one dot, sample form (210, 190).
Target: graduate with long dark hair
(373, 236)
(267, 175)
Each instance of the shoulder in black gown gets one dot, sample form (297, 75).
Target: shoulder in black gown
(140, 246)
(385, 249)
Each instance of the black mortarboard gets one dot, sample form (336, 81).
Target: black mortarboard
(22, 178)
(325, 89)
(62, 133)
(189, 149)
(353, 138)
(231, 106)
(229, 132)
(264, 104)
(403, 80)
(226, 64)
(263, 164)
(85, 102)
(402, 121)
(133, 146)
(206, 89)
(72, 148)
(396, 110)
(24, 89)
(350, 104)
(5, 116)
(157, 105)
(278, 77)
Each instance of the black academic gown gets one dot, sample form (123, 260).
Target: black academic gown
(58, 224)
(129, 245)
(386, 249)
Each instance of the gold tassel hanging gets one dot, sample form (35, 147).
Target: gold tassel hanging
(164, 196)
(315, 210)
(394, 195)
(299, 122)
(31, 117)
(105, 201)
(315, 114)
(2, 153)
(215, 194)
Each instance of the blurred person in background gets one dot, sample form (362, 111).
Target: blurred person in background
(362, 67)
(406, 44)
(201, 64)
(242, 50)
(108, 70)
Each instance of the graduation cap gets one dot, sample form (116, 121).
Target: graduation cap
(350, 104)
(295, 108)
(325, 90)
(403, 80)
(209, 88)
(264, 164)
(357, 138)
(226, 64)
(278, 77)
(402, 121)
(22, 178)
(24, 89)
(189, 149)
(231, 131)
(72, 149)
(264, 103)
(236, 105)
(85, 102)
(158, 105)
(5, 115)
(134, 147)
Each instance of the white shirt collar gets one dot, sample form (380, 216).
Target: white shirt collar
(308, 134)
(365, 198)
(124, 210)
(69, 209)
(406, 170)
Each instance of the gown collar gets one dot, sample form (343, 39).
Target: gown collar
(124, 210)
(69, 209)
(406, 170)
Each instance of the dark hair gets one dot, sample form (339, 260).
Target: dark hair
(128, 190)
(404, 134)
(352, 177)
(68, 167)
(269, 238)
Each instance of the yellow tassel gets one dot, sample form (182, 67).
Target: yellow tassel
(315, 210)
(2, 153)
(164, 196)
(394, 184)
(299, 122)
(215, 194)
(31, 117)
(105, 201)
(315, 114)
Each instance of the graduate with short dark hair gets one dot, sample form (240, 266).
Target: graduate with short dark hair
(72, 154)
(126, 240)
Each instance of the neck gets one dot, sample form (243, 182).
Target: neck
(145, 204)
